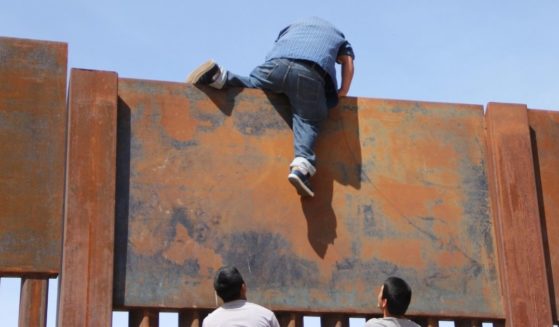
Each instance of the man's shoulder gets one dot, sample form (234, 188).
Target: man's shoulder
(257, 307)
(213, 314)
(247, 312)
(376, 322)
(262, 314)
(390, 322)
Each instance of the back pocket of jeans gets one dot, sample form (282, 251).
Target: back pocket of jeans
(308, 89)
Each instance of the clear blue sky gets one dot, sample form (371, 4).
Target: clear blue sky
(469, 51)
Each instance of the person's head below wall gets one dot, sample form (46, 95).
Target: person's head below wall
(229, 284)
(394, 297)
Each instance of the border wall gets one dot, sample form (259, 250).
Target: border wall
(134, 192)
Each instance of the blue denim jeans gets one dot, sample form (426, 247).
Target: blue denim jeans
(303, 86)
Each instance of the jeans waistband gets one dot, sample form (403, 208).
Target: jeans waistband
(312, 65)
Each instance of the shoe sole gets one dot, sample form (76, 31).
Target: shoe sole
(301, 188)
(194, 77)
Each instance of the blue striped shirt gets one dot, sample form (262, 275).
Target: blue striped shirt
(312, 39)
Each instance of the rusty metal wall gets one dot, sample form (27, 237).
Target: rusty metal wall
(33, 302)
(401, 190)
(516, 216)
(32, 150)
(544, 126)
(86, 276)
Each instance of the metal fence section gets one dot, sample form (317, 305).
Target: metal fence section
(134, 192)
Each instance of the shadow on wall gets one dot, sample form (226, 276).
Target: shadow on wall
(541, 205)
(338, 152)
(339, 159)
(122, 200)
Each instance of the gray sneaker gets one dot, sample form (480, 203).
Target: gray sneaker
(208, 73)
(301, 182)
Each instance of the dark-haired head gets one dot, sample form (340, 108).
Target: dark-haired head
(228, 284)
(397, 294)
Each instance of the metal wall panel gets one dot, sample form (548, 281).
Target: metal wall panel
(517, 221)
(401, 189)
(32, 145)
(86, 277)
(545, 144)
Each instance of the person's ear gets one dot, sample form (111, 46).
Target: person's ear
(383, 303)
(244, 291)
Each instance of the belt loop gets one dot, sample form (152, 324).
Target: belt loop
(311, 65)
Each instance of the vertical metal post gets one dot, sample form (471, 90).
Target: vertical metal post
(467, 323)
(33, 302)
(86, 279)
(516, 217)
(143, 318)
(432, 322)
(290, 319)
(335, 320)
(192, 318)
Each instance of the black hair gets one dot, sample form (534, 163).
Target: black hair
(397, 294)
(228, 283)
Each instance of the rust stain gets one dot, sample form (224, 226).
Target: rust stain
(401, 200)
(182, 248)
(545, 143)
(32, 143)
(409, 252)
(393, 198)
(177, 123)
(143, 239)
